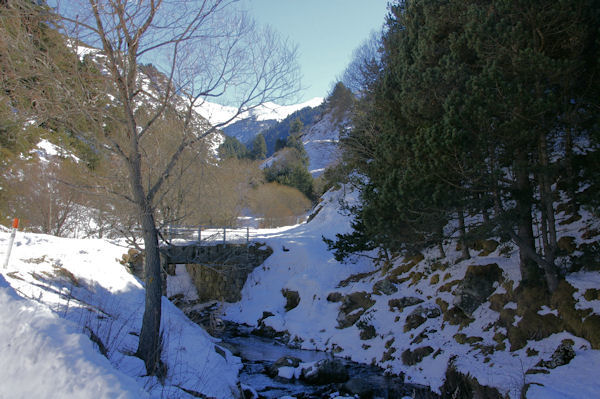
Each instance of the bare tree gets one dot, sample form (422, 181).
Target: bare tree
(205, 49)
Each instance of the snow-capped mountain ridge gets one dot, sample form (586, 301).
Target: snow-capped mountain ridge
(216, 113)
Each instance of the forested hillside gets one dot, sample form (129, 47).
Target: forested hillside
(482, 119)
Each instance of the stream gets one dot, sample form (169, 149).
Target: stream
(258, 354)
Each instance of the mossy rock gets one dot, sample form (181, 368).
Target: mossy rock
(384, 287)
(292, 299)
(498, 301)
(448, 286)
(413, 321)
(533, 327)
(592, 294)
(415, 278)
(355, 278)
(461, 386)
(477, 286)
(567, 244)
(485, 247)
(588, 234)
(335, 297)
(590, 258)
(460, 338)
(419, 315)
(367, 331)
(434, 279)
(354, 305)
(401, 303)
(591, 330)
(388, 355)
(457, 317)
(442, 304)
(410, 358)
(574, 218)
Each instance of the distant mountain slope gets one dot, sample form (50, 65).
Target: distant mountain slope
(216, 113)
(309, 116)
(246, 129)
(321, 143)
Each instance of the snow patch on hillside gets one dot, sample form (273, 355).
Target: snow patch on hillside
(57, 293)
(302, 263)
(321, 144)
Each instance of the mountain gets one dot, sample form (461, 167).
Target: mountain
(321, 142)
(247, 125)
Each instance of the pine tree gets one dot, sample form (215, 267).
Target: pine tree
(259, 147)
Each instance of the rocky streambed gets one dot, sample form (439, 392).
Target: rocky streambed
(274, 370)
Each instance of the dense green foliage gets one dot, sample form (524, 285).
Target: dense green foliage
(474, 116)
(259, 147)
(232, 148)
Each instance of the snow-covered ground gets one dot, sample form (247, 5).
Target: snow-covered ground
(302, 263)
(57, 293)
(321, 144)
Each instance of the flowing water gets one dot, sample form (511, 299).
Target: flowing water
(258, 353)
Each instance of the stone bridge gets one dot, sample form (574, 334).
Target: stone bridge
(219, 271)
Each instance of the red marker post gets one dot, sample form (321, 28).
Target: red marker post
(15, 226)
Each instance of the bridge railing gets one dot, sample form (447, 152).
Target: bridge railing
(209, 234)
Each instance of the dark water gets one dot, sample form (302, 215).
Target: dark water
(258, 353)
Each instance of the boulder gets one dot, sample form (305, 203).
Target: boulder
(563, 354)
(285, 361)
(325, 371)
(353, 306)
(292, 299)
(401, 303)
(420, 315)
(477, 285)
(359, 387)
(384, 287)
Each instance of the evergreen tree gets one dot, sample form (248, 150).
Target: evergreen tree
(259, 147)
(468, 106)
(232, 148)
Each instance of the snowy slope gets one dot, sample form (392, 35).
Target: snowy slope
(216, 113)
(301, 263)
(321, 144)
(57, 293)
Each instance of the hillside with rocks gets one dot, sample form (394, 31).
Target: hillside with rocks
(443, 322)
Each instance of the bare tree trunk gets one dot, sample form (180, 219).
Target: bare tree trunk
(523, 199)
(548, 219)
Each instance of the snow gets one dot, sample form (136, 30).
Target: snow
(218, 114)
(310, 269)
(56, 292)
(321, 144)
(48, 315)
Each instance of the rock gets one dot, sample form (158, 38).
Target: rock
(325, 371)
(367, 331)
(353, 306)
(285, 361)
(401, 303)
(563, 354)
(133, 260)
(567, 244)
(419, 315)
(477, 285)
(334, 297)
(410, 358)
(292, 299)
(358, 386)
(384, 287)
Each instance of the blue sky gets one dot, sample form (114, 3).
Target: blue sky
(326, 31)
